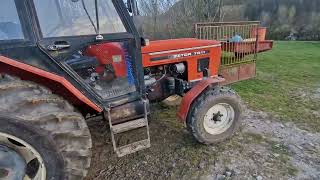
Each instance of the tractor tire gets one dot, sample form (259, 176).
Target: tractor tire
(49, 114)
(215, 115)
(17, 136)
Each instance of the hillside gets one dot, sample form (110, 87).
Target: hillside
(300, 18)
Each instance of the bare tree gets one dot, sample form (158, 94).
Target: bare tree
(164, 19)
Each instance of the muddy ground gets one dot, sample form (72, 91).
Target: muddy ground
(264, 148)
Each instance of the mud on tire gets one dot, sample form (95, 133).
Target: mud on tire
(52, 115)
(201, 106)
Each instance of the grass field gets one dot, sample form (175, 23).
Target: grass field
(287, 84)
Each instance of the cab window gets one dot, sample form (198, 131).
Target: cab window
(10, 26)
(69, 17)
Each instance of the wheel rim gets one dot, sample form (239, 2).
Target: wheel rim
(12, 146)
(219, 118)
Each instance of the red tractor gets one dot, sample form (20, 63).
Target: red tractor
(65, 61)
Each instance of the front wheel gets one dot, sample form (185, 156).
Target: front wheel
(215, 115)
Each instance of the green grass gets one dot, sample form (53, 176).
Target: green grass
(287, 83)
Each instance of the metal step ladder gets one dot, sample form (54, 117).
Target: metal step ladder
(129, 126)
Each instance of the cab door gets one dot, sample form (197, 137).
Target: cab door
(68, 28)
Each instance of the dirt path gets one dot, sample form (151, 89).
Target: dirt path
(268, 149)
(263, 149)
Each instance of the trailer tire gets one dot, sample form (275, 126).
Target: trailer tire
(49, 114)
(210, 129)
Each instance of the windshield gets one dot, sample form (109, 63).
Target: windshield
(10, 26)
(68, 17)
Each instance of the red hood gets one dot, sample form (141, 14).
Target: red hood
(173, 44)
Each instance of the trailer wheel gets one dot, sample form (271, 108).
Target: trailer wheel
(59, 136)
(215, 115)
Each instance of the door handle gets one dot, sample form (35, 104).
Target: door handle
(59, 45)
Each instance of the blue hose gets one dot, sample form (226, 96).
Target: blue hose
(130, 75)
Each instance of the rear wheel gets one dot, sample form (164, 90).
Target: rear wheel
(26, 153)
(48, 130)
(215, 115)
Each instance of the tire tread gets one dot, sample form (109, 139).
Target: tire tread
(37, 105)
(200, 101)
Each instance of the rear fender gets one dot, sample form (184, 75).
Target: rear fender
(57, 84)
(195, 92)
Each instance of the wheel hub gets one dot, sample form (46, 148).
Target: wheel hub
(12, 165)
(219, 118)
(19, 160)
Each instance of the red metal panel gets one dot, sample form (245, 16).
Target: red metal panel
(231, 74)
(247, 71)
(189, 98)
(165, 52)
(265, 45)
(173, 44)
(238, 72)
(56, 83)
(262, 32)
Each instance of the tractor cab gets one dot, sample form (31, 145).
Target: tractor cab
(92, 44)
(92, 39)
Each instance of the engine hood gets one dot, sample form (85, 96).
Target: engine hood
(176, 44)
